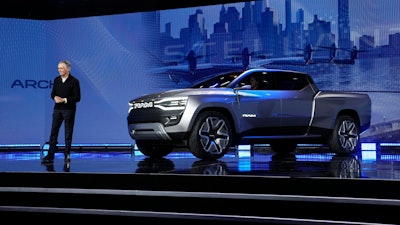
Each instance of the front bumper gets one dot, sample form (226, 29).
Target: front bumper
(148, 131)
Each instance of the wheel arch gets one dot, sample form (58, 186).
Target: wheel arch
(349, 112)
(222, 110)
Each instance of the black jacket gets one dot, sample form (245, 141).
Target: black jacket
(70, 89)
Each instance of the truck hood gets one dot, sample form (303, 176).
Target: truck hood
(186, 92)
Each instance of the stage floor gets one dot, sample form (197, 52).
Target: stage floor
(380, 163)
(122, 185)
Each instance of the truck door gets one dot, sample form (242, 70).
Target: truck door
(260, 109)
(297, 102)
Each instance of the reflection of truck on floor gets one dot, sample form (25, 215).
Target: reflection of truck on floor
(223, 112)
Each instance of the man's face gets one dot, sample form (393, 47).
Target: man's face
(63, 70)
(253, 81)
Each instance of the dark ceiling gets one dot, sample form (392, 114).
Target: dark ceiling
(62, 9)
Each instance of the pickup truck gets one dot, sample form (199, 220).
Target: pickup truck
(224, 111)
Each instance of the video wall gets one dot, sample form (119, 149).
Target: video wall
(345, 46)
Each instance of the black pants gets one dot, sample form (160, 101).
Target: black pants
(60, 116)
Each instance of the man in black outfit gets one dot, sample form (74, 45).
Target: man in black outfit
(65, 93)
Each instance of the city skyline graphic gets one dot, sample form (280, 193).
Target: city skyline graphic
(372, 18)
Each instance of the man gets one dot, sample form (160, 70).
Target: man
(65, 93)
(254, 82)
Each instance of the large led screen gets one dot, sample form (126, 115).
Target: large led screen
(345, 46)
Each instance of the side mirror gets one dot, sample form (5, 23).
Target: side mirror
(244, 87)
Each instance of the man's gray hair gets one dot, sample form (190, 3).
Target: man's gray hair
(66, 62)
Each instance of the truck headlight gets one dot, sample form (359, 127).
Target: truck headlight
(174, 103)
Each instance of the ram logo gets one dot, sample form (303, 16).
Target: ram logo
(248, 115)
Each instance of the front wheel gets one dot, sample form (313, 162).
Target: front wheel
(345, 136)
(211, 136)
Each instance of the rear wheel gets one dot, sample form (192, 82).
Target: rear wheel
(345, 136)
(211, 136)
(153, 149)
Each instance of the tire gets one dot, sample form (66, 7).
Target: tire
(154, 165)
(153, 149)
(345, 137)
(282, 147)
(211, 136)
(209, 167)
(345, 166)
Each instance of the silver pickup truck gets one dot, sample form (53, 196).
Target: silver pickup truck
(227, 110)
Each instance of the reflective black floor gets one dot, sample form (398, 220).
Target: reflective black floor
(246, 186)
(382, 162)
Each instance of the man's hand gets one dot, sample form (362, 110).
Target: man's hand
(58, 99)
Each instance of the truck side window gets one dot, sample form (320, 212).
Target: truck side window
(289, 81)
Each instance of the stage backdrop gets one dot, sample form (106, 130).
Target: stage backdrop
(353, 46)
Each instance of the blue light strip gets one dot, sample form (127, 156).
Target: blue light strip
(314, 157)
(368, 146)
(368, 155)
(390, 157)
(19, 146)
(97, 145)
(390, 144)
(128, 145)
(73, 145)
(311, 145)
